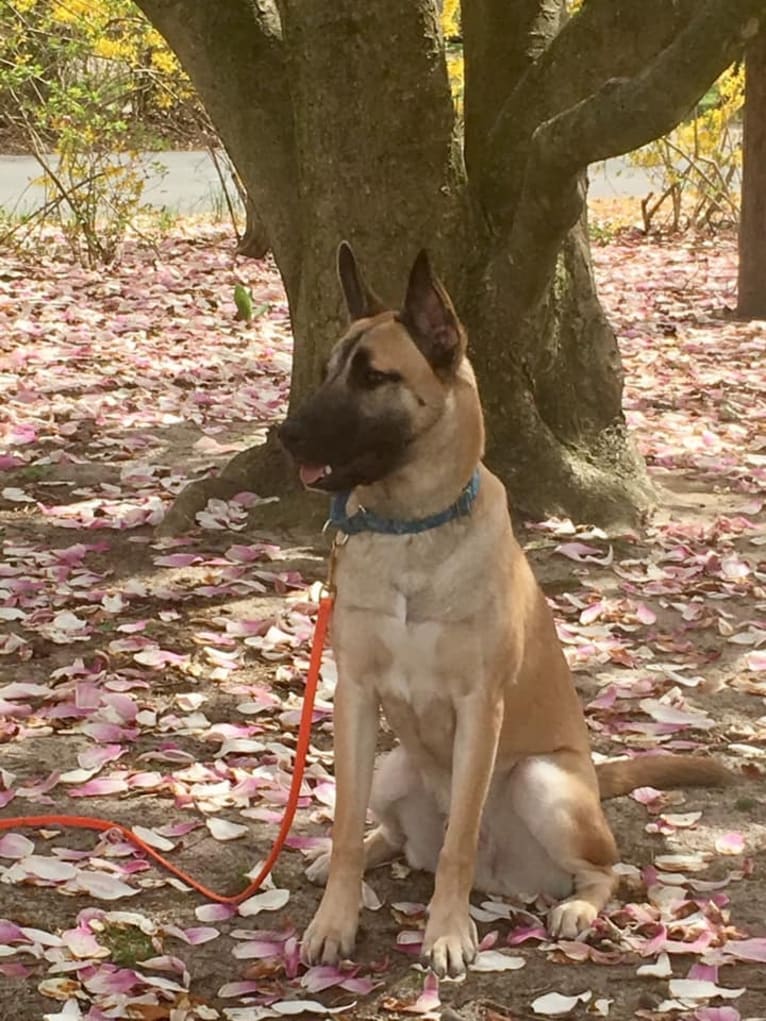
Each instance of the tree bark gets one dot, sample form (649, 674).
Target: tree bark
(232, 51)
(254, 243)
(751, 287)
(502, 39)
(376, 150)
(357, 136)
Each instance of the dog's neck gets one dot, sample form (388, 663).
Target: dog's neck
(440, 465)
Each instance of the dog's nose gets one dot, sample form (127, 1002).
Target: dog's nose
(289, 432)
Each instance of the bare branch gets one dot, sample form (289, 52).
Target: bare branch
(622, 115)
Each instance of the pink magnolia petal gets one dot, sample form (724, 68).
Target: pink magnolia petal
(104, 887)
(730, 843)
(99, 788)
(322, 976)
(177, 560)
(48, 868)
(15, 845)
(238, 989)
(95, 758)
(747, 949)
(426, 1003)
(82, 943)
(716, 1014)
(197, 935)
(215, 912)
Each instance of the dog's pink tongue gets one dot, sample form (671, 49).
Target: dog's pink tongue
(311, 473)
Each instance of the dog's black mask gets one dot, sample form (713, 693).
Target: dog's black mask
(339, 443)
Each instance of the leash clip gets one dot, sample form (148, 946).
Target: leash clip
(340, 539)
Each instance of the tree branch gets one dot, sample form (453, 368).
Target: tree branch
(501, 39)
(232, 51)
(605, 39)
(622, 115)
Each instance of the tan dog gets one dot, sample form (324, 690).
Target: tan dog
(492, 784)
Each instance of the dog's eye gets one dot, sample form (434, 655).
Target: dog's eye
(374, 377)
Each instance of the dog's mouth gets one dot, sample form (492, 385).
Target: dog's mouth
(335, 478)
(315, 476)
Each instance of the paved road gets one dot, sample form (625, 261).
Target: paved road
(190, 183)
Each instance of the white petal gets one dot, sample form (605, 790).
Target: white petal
(271, 900)
(555, 1004)
(699, 989)
(660, 969)
(221, 829)
(496, 960)
(105, 887)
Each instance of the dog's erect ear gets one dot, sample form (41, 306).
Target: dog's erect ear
(431, 319)
(361, 302)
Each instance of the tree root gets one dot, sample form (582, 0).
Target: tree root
(264, 469)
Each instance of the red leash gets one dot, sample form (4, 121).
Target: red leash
(87, 822)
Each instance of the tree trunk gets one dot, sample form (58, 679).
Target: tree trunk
(339, 119)
(254, 243)
(552, 393)
(751, 289)
(374, 143)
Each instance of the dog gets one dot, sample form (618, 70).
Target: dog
(438, 619)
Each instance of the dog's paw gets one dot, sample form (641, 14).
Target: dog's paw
(571, 918)
(318, 868)
(450, 943)
(331, 934)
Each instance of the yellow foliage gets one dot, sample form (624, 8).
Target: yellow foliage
(450, 22)
(68, 12)
(694, 166)
(705, 133)
(108, 49)
(112, 30)
(451, 18)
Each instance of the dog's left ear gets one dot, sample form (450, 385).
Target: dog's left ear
(431, 320)
(361, 302)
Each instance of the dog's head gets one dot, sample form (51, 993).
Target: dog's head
(387, 382)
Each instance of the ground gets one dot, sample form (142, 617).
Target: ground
(157, 682)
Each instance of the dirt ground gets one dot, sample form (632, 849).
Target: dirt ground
(157, 682)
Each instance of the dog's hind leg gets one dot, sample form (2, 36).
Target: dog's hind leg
(406, 811)
(407, 816)
(377, 849)
(559, 803)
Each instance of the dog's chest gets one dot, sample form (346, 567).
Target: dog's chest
(415, 642)
(418, 686)
(414, 655)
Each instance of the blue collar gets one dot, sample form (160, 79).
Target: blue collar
(367, 521)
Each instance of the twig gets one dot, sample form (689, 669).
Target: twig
(219, 171)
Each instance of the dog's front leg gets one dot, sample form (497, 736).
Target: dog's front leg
(450, 940)
(332, 931)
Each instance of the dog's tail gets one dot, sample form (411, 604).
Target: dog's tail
(664, 772)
